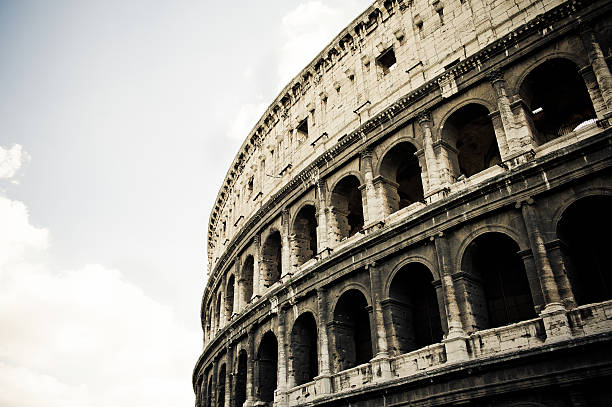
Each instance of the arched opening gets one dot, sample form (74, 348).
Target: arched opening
(500, 293)
(271, 258)
(470, 132)
(267, 365)
(414, 308)
(401, 167)
(351, 326)
(221, 386)
(347, 208)
(305, 231)
(556, 110)
(584, 230)
(241, 379)
(229, 296)
(303, 354)
(247, 275)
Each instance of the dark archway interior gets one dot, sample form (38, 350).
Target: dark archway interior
(492, 258)
(352, 331)
(401, 166)
(304, 359)
(471, 132)
(247, 274)
(346, 200)
(305, 230)
(272, 259)
(557, 96)
(241, 379)
(229, 296)
(415, 313)
(221, 387)
(585, 229)
(218, 321)
(267, 366)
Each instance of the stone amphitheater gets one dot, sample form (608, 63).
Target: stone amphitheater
(422, 218)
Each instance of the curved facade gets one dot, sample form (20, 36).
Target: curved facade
(422, 217)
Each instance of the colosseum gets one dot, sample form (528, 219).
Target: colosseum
(414, 219)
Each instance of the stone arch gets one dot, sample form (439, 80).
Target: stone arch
(248, 273)
(241, 378)
(555, 110)
(469, 131)
(272, 258)
(499, 228)
(497, 281)
(351, 330)
(413, 307)
(584, 229)
(304, 236)
(346, 205)
(267, 367)
(229, 295)
(303, 352)
(410, 259)
(400, 177)
(581, 193)
(221, 386)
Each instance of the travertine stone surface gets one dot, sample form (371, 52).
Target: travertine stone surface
(421, 218)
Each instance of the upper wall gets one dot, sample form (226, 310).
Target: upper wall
(391, 49)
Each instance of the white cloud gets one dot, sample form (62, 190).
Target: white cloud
(83, 337)
(11, 160)
(310, 27)
(245, 120)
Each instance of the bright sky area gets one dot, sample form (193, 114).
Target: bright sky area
(118, 121)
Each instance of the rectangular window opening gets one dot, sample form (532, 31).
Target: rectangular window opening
(302, 128)
(386, 60)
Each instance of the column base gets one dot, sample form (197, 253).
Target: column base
(323, 384)
(556, 323)
(280, 399)
(381, 367)
(455, 345)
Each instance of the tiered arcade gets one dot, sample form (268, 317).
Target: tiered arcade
(422, 217)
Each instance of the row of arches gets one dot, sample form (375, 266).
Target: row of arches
(496, 291)
(473, 146)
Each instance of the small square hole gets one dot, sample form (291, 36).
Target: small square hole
(386, 60)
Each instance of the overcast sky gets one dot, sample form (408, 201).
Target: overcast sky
(118, 121)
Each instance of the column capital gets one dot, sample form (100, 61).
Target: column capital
(366, 153)
(524, 202)
(496, 75)
(424, 118)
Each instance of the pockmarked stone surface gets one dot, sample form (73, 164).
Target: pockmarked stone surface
(422, 218)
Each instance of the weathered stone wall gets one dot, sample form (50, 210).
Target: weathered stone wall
(432, 239)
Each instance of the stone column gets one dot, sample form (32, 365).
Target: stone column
(280, 394)
(433, 172)
(553, 315)
(323, 380)
(588, 76)
(371, 209)
(559, 261)
(455, 341)
(213, 388)
(250, 379)
(600, 67)
(286, 266)
(533, 279)
(229, 390)
(517, 138)
(256, 268)
(380, 362)
(239, 288)
(322, 210)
